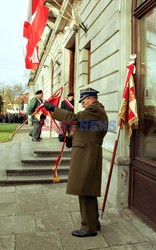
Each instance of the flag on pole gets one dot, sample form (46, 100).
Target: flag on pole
(35, 21)
(54, 99)
(128, 117)
(128, 110)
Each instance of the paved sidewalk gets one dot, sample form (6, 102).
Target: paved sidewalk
(42, 217)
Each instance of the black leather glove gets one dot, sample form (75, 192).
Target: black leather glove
(69, 141)
(49, 106)
(60, 138)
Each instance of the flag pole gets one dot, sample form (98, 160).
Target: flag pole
(10, 138)
(65, 11)
(111, 167)
(132, 61)
(81, 25)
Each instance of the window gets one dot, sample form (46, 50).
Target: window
(146, 68)
(147, 27)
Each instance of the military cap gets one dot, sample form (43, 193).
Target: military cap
(87, 92)
(70, 94)
(38, 92)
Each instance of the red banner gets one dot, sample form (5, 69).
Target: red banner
(128, 110)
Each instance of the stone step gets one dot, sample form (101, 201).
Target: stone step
(44, 161)
(4, 157)
(2, 148)
(19, 180)
(26, 150)
(49, 153)
(27, 171)
(14, 157)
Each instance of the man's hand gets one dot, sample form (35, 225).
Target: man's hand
(49, 106)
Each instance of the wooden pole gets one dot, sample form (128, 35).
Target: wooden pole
(111, 168)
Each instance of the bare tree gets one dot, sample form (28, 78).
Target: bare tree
(13, 92)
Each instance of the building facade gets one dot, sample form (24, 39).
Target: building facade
(96, 56)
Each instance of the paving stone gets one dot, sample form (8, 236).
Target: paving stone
(144, 229)
(54, 220)
(7, 197)
(153, 242)
(123, 247)
(55, 191)
(38, 241)
(114, 215)
(145, 246)
(7, 189)
(70, 242)
(112, 211)
(7, 209)
(105, 220)
(128, 214)
(54, 215)
(64, 205)
(60, 201)
(31, 202)
(29, 188)
(16, 224)
(58, 189)
(77, 220)
(7, 242)
(121, 233)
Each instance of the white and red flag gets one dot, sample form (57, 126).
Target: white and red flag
(35, 21)
(128, 110)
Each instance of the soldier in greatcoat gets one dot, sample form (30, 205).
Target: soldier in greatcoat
(86, 161)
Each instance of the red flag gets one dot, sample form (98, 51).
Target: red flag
(37, 15)
(42, 110)
(128, 110)
(54, 99)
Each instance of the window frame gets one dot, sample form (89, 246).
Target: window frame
(137, 13)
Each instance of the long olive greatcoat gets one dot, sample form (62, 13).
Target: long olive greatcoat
(32, 106)
(86, 160)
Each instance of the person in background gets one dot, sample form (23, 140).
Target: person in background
(67, 104)
(85, 172)
(38, 122)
